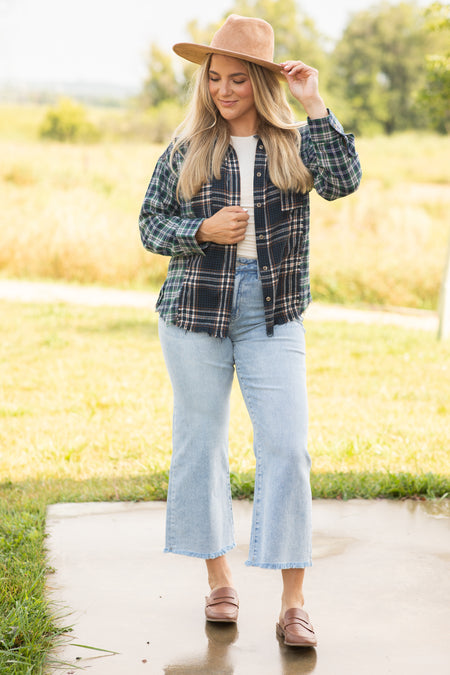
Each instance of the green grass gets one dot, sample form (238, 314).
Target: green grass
(84, 394)
(27, 628)
(85, 416)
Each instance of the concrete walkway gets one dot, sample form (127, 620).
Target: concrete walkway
(26, 291)
(378, 594)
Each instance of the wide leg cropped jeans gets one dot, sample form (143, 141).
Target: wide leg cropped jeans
(272, 377)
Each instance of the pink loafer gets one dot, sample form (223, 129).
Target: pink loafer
(222, 605)
(296, 629)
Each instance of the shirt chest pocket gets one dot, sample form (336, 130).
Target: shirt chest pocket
(294, 203)
(294, 208)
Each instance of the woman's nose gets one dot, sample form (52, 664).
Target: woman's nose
(225, 88)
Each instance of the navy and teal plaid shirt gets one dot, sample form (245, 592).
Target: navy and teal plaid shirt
(198, 292)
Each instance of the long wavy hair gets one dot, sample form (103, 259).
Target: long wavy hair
(204, 136)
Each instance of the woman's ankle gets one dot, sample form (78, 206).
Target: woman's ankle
(219, 573)
(291, 601)
(292, 595)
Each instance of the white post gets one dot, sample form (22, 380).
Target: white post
(444, 302)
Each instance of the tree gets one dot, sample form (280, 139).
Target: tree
(161, 83)
(296, 36)
(435, 95)
(380, 65)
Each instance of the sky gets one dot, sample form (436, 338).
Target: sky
(107, 41)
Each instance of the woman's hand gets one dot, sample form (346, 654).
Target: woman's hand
(303, 82)
(227, 226)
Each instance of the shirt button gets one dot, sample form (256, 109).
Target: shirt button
(268, 299)
(259, 174)
(261, 236)
(259, 205)
(260, 147)
(265, 268)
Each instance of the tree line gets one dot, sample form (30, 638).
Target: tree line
(389, 71)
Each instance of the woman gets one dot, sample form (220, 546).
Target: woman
(228, 201)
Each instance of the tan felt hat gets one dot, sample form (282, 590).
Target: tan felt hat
(241, 37)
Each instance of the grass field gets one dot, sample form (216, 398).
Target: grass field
(84, 394)
(84, 397)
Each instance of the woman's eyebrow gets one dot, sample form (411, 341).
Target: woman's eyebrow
(213, 72)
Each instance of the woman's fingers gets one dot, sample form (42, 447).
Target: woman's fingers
(227, 226)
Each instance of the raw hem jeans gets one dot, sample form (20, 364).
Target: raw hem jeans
(272, 377)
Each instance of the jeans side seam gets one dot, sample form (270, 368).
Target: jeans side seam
(258, 473)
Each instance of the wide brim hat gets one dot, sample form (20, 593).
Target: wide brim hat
(240, 37)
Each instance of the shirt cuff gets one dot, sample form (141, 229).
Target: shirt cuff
(324, 129)
(186, 236)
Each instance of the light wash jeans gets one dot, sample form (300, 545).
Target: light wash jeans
(272, 377)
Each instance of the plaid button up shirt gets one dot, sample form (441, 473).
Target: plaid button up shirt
(198, 292)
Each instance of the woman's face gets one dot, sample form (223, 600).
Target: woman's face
(232, 93)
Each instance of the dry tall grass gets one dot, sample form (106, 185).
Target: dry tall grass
(383, 245)
(70, 212)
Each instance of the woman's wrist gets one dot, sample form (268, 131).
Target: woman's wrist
(315, 109)
(202, 233)
(199, 234)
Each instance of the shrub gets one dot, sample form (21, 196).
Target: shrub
(163, 119)
(68, 122)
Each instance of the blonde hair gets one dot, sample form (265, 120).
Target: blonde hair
(203, 137)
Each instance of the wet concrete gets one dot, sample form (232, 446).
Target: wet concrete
(378, 594)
